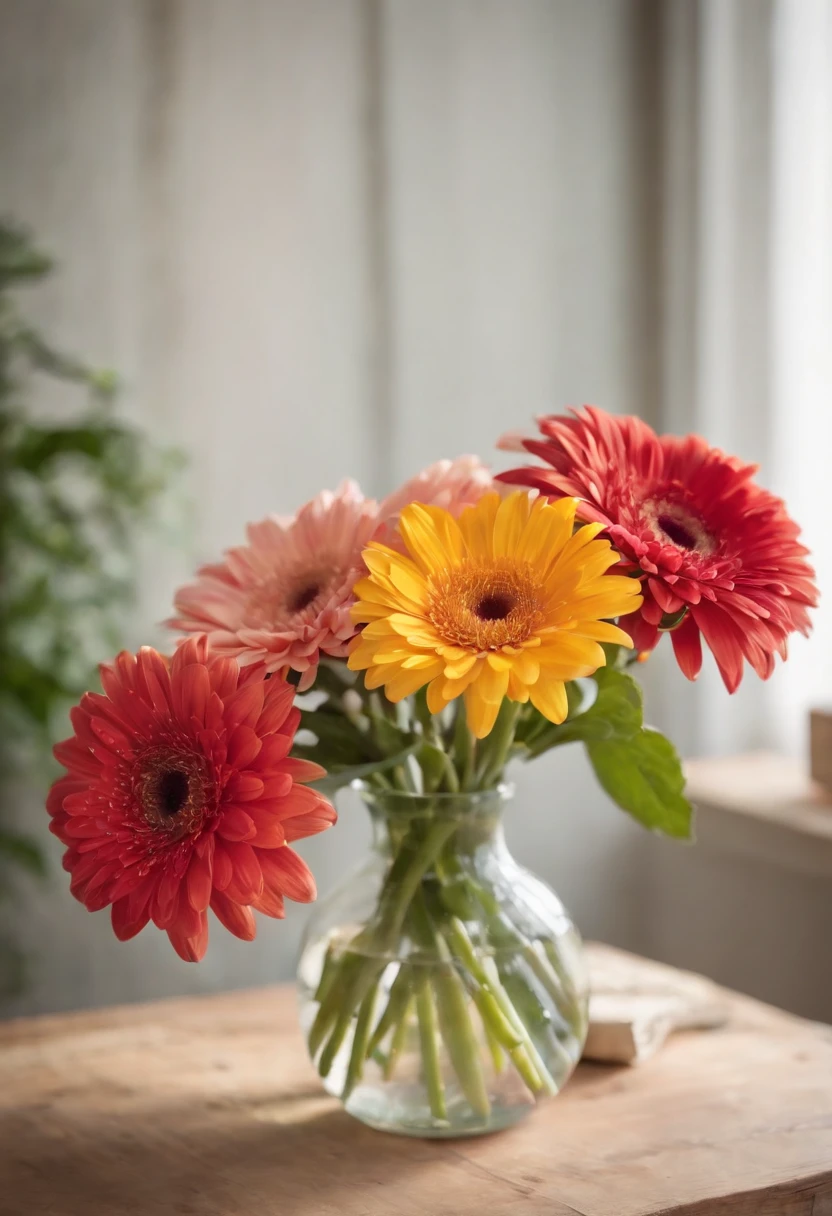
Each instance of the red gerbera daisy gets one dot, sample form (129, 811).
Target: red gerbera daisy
(181, 794)
(719, 556)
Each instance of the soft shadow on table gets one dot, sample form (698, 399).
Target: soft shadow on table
(293, 1155)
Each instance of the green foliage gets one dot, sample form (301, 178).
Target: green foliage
(352, 733)
(643, 775)
(637, 766)
(71, 492)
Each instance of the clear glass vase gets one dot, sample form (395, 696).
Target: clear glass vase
(443, 989)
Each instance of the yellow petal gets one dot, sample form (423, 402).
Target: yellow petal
(491, 684)
(526, 667)
(548, 530)
(498, 660)
(405, 682)
(481, 714)
(461, 667)
(416, 661)
(455, 687)
(408, 579)
(549, 696)
(432, 536)
(436, 698)
(603, 631)
(568, 648)
(476, 524)
(510, 522)
(517, 690)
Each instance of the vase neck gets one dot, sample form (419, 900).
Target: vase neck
(474, 820)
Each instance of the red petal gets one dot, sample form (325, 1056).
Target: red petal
(187, 921)
(124, 925)
(279, 700)
(284, 871)
(235, 824)
(247, 878)
(310, 825)
(191, 949)
(720, 633)
(303, 770)
(153, 679)
(687, 646)
(114, 740)
(269, 829)
(270, 903)
(223, 869)
(244, 706)
(191, 692)
(237, 919)
(199, 882)
(244, 787)
(224, 674)
(243, 747)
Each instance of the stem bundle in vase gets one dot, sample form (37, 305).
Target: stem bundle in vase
(415, 648)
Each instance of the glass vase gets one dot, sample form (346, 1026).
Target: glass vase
(443, 988)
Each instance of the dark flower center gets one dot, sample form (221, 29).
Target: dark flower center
(677, 532)
(172, 791)
(494, 607)
(676, 521)
(304, 597)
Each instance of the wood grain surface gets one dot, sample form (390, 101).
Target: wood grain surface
(208, 1106)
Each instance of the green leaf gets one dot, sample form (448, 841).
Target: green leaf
(644, 776)
(339, 740)
(616, 713)
(337, 777)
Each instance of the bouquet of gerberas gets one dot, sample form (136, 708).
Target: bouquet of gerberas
(414, 648)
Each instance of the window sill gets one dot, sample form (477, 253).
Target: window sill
(765, 806)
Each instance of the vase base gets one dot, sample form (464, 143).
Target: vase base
(377, 1111)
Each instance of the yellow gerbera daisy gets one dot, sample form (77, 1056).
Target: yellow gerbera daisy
(508, 601)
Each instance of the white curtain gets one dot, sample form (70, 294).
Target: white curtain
(746, 339)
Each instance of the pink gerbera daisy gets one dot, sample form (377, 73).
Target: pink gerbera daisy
(451, 484)
(719, 555)
(181, 795)
(284, 599)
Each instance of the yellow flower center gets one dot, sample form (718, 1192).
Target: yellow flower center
(485, 606)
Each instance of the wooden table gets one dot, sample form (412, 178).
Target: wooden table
(208, 1106)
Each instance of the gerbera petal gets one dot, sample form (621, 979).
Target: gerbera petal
(236, 917)
(288, 873)
(687, 647)
(549, 697)
(481, 714)
(152, 760)
(692, 519)
(126, 925)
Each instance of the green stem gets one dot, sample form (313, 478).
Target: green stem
(452, 1006)
(498, 745)
(429, 1039)
(398, 1040)
(464, 747)
(364, 959)
(398, 999)
(359, 1042)
(329, 973)
(526, 1001)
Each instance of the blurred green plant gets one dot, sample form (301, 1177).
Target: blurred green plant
(71, 494)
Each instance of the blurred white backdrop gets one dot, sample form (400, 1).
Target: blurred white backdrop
(348, 237)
